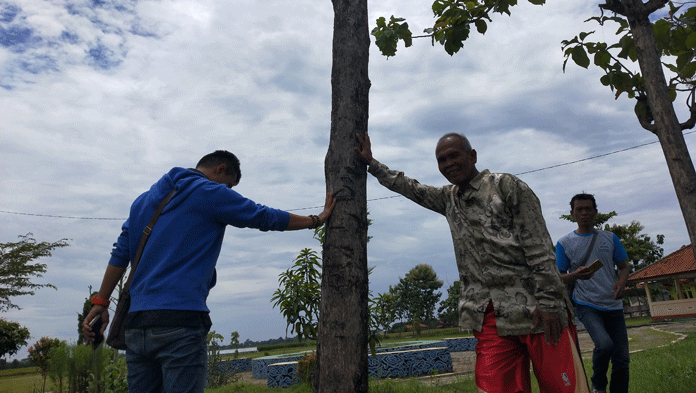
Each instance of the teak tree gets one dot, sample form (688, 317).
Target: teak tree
(671, 42)
(342, 337)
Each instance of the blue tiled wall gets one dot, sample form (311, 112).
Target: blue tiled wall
(410, 363)
(282, 375)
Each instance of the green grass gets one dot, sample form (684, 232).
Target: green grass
(667, 369)
(21, 380)
(638, 321)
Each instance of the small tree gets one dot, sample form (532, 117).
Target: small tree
(16, 271)
(12, 337)
(219, 371)
(641, 249)
(382, 311)
(417, 294)
(216, 373)
(234, 341)
(299, 294)
(449, 308)
(40, 355)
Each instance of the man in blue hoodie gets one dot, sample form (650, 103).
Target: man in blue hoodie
(168, 319)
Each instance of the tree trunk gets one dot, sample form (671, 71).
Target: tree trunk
(343, 320)
(668, 129)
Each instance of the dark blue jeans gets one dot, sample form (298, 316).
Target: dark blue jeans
(608, 332)
(166, 359)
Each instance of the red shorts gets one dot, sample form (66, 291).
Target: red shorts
(502, 363)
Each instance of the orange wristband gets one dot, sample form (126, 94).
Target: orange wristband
(100, 302)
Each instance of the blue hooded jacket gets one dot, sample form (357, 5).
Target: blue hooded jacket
(177, 268)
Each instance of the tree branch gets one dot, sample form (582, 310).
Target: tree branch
(614, 6)
(653, 5)
(647, 125)
(634, 7)
(692, 109)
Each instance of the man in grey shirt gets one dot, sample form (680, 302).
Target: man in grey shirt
(597, 293)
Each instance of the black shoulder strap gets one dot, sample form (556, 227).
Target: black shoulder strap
(146, 234)
(589, 250)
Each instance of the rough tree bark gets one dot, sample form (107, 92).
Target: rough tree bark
(666, 124)
(341, 364)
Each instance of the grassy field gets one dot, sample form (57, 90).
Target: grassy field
(670, 368)
(22, 380)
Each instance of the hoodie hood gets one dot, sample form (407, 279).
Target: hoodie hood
(185, 181)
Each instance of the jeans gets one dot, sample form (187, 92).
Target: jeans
(608, 332)
(166, 359)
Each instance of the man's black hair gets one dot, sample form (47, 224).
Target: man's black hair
(583, 197)
(462, 138)
(222, 157)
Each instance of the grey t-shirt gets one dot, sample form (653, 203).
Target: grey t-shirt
(597, 291)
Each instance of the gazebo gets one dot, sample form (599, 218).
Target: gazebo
(677, 273)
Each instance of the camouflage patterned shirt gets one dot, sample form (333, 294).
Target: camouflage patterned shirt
(502, 247)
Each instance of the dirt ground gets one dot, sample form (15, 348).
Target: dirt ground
(640, 338)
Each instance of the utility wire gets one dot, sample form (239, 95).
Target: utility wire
(369, 200)
(53, 216)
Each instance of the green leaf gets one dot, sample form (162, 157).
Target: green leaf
(661, 31)
(438, 6)
(481, 26)
(627, 44)
(584, 35)
(633, 54)
(690, 41)
(580, 56)
(537, 2)
(689, 70)
(641, 110)
(602, 59)
(671, 67)
(683, 60)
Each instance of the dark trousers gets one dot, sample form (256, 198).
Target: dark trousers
(608, 332)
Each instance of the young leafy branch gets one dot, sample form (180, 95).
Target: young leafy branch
(453, 20)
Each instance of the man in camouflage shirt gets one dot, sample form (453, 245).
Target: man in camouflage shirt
(512, 295)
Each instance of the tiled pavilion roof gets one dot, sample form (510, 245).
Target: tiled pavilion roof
(677, 263)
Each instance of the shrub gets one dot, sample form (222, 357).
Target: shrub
(115, 376)
(219, 372)
(79, 368)
(305, 368)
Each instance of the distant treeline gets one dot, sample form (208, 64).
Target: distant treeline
(4, 364)
(265, 345)
(293, 344)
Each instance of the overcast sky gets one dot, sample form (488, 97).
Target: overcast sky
(100, 98)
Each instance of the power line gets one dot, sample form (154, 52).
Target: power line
(369, 200)
(588, 158)
(54, 216)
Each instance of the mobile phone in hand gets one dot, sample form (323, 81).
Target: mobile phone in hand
(96, 325)
(596, 265)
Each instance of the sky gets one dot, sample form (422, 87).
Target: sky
(100, 98)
